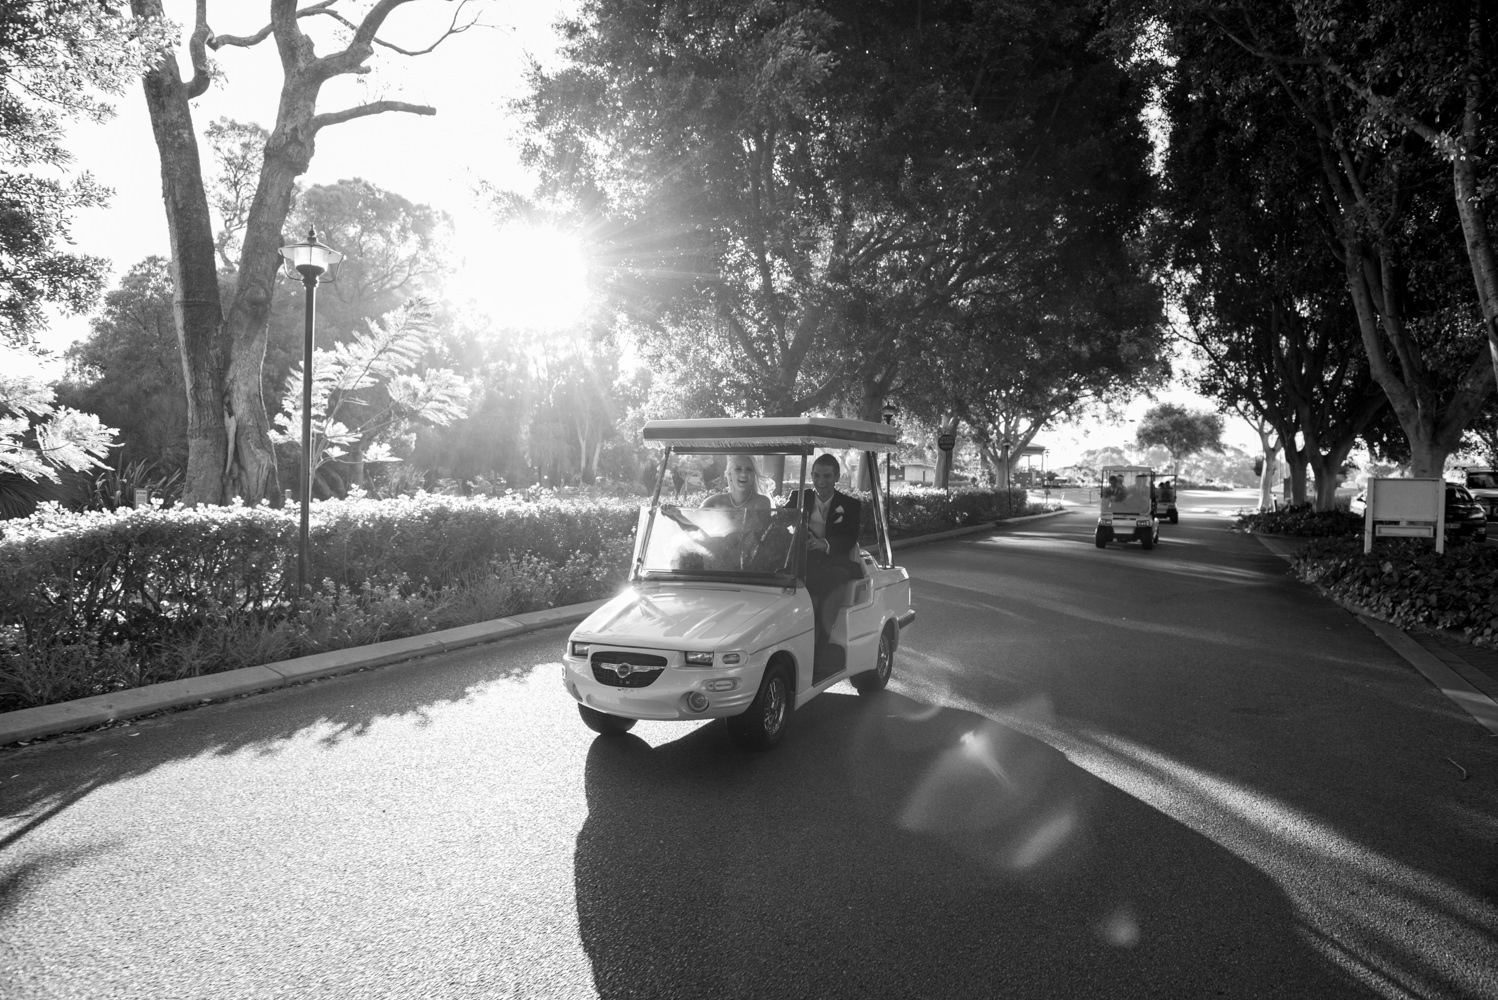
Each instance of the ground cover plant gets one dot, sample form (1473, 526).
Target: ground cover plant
(1401, 581)
(104, 600)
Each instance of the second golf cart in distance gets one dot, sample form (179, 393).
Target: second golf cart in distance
(716, 621)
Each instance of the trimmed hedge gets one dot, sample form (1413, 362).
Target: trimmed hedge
(103, 600)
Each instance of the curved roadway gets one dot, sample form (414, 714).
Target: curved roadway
(1098, 774)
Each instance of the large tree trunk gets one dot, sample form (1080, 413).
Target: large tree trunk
(1479, 250)
(1327, 468)
(1394, 357)
(1269, 446)
(252, 471)
(1298, 479)
(948, 425)
(198, 309)
(1464, 180)
(229, 448)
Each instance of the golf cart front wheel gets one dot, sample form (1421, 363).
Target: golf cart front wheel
(603, 723)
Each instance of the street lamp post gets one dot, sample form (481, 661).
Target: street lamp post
(889, 457)
(312, 263)
(1008, 497)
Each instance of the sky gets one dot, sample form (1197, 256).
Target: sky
(435, 160)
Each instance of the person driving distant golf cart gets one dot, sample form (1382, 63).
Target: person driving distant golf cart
(1127, 509)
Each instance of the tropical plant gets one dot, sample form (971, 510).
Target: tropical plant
(370, 392)
(38, 437)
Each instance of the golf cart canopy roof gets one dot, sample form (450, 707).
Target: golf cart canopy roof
(774, 435)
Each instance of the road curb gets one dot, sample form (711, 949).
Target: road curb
(1448, 681)
(118, 706)
(87, 713)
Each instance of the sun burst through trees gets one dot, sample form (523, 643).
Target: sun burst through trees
(525, 277)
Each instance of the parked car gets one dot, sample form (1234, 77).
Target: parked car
(1466, 520)
(716, 622)
(1483, 485)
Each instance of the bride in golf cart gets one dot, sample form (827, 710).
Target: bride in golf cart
(721, 619)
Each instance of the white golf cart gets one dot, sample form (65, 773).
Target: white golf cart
(1126, 510)
(716, 621)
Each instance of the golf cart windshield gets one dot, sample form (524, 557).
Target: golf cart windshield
(1126, 490)
(725, 504)
(738, 546)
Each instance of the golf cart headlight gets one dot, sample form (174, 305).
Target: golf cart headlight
(699, 659)
(579, 649)
(1106, 521)
(1143, 522)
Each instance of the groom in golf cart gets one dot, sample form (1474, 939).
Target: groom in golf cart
(831, 543)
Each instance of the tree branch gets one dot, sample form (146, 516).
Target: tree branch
(368, 35)
(365, 110)
(197, 51)
(245, 41)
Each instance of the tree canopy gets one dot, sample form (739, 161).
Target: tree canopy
(1386, 99)
(1180, 431)
(58, 60)
(223, 341)
(797, 199)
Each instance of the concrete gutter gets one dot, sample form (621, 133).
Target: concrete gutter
(86, 713)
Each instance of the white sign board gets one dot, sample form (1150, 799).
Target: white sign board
(1409, 508)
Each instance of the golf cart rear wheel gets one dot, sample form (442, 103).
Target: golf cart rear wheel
(873, 681)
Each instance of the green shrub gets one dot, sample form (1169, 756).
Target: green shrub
(1303, 522)
(97, 601)
(103, 600)
(919, 510)
(1408, 583)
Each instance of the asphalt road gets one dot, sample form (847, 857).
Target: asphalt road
(1098, 773)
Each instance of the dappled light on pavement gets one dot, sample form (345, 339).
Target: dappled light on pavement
(991, 794)
(1369, 914)
(1361, 909)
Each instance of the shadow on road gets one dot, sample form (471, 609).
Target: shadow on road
(327, 711)
(894, 849)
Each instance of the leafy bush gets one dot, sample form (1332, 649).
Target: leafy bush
(1303, 522)
(1409, 584)
(102, 600)
(918, 510)
(1402, 581)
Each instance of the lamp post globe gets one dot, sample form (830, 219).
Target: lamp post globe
(311, 262)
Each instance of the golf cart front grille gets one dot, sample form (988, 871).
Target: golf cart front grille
(625, 669)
